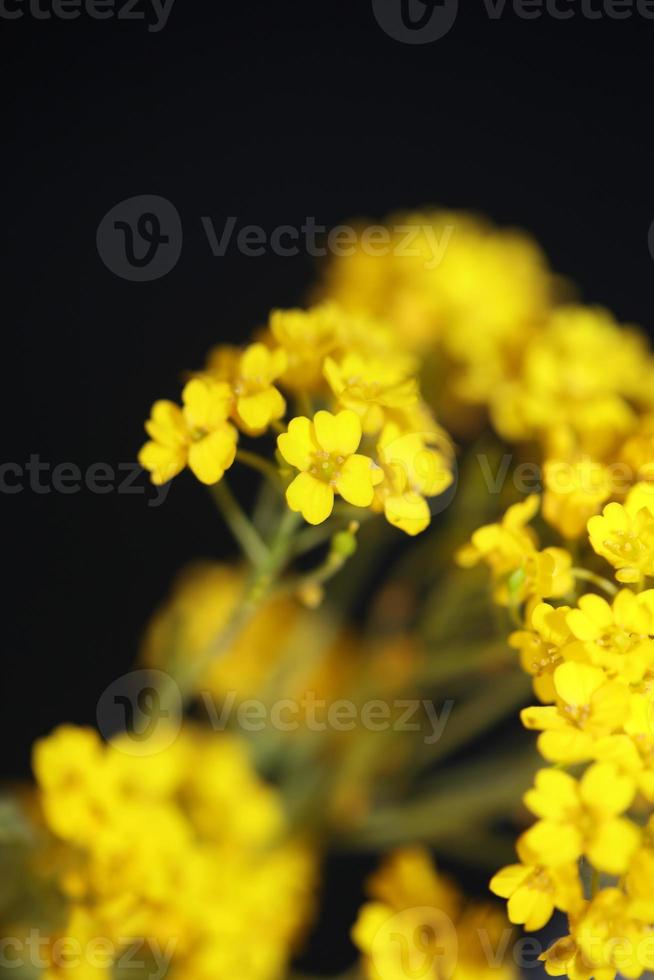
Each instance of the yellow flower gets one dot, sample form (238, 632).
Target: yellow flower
(192, 850)
(371, 386)
(535, 890)
(543, 647)
(412, 470)
(419, 926)
(308, 337)
(616, 637)
(588, 707)
(582, 818)
(609, 940)
(519, 570)
(575, 386)
(325, 453)
(197, 435)
(447, 278)
(574, 493)
(625, 537)
(68, 765)
(251, 374)
(633, 751)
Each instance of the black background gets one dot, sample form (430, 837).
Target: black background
(269, 111)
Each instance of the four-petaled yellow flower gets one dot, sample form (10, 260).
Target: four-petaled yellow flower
(197, 435)
(252, 374)
(509, 548)
(582, 818)
(370, 387)
(325, 452)
(535, 890)
(588, 707)
(412, 471)
(624, 535)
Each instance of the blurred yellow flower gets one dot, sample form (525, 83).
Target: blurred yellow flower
(185, 848)
(418, 925)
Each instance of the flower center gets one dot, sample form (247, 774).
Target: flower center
(326, 467)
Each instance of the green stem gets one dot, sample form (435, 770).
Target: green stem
(261, 465)
(258, 587)
(598, 580)
(239, 523)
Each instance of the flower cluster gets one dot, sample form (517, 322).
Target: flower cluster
(511, 347)
(417, 924)
(336, 406)
(360, 429)
(590, 852)
(184, 846)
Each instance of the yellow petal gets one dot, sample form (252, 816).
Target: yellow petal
(554, 795)
(506, 881)
(208, 458)
(258, 364)
(542, 719)
(553, 842)
(166, 424)
(408, 511)
(576, 683)
(613, 844)
(260, 409)
(310, 497)
(609, 706)
(206, 403)
(163, 462)
(569, 745)
(298, 444)
(339, 434)
(606, 790)
(597, 609)
(354, 481)
(530, 907)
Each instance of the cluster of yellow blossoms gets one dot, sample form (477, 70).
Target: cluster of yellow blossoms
(590, 852)
(186, 846)
(417, 924)
(362, 431)
(180, 855)
(574, 391)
